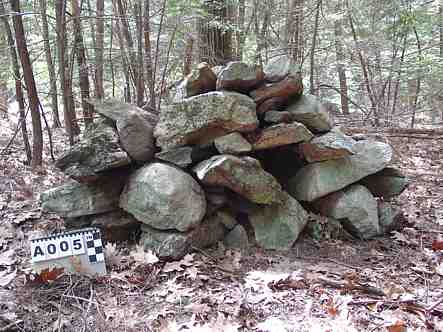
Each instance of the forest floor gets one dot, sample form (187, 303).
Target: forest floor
(392, 283)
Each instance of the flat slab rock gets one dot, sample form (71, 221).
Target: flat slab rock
(200, 119)
(387, 183)
(319, 179)
(332, 145)
(244, 176)
(173, 245)
(134, 129)
(233, 143)
(200, 80)
(290, 87)
(164, 197)
(278, 226)
(309, 110)
(280, 134)
(356, 209)
(239, 76)
(99, 150)
(74, 199)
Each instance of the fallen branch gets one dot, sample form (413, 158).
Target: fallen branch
(351, 286)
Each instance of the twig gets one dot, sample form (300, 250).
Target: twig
(435, 305)
(19, 125)
(351, 286)
(8, 327)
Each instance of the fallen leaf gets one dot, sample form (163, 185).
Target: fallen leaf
(398, 326)
(7, 277)
(142, 257)
(6, 258)
(437, 245)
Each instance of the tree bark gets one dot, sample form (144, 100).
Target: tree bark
(148, 54)
(140, 82)
(82, 65)
(241, 29)
(34, 102)
(18, 83)
(338, 30)
(313, 46)
(187, 59)
(100, 32)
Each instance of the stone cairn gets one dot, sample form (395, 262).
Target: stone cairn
(240, 154)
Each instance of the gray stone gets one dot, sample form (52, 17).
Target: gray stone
(355, 207)
(200, 119)
(134, 129)
(319, 179)
(278, 68)
(240, 77)
(233, 143)
(181, 156)
(225, 218)
(332, 145)
(278, 117)
(244, 176)
(387, 183)
(164, 197)
(74, 199)
(278, 226)
(310, 111)
(280, 134)
(98, 151)
(237, 238)
(387, 215)
(174, 245)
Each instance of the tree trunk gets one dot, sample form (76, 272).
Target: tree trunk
(140, 82)
(50, 65)
(64, 72)
(241, 29)
(82, 65)
(187, 59)
(18, 83)
(293, 35)
(34, 102)
(100, 32)
(340, 58)
(148, 54)
(313, 45)
(215, 43)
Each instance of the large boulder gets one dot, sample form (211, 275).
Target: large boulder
(239, 76)
(280, 134)
(133, 127)
(200, 119)
(74, 199)
(233, 143)
(237, 238)
(200, 80)
(278, 226)
(98, 151)
(244, 176)
(387, 183)
(319, 179)
(332, 145)
(309, 110)
(278, 68)
(174, 245)
(164, 197)
(356, 209)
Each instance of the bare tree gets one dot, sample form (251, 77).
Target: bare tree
(340, 58)
(100, 32)
(34, 102)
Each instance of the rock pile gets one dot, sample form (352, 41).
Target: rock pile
(240, 154)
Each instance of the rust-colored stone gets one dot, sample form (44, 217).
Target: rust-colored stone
(291, 86)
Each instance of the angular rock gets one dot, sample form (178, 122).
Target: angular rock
(134, 129)
(98, 151)
(319, 179)
(237, 238)
(74, 199)
(332, 145)
(233, 143)
(272, 104)
(200, 80)
(115, 225)
(278, 226)
(174, 245)
(181, 156)
(290, 87)
(200, 119)
(164, 197)
(278, 68)
(278, 117)
(355, 207)
(310, 111)
(240, 77)
(387, 183)
(225, 218)
(280, 134)
(242, 175)
(387, 216)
